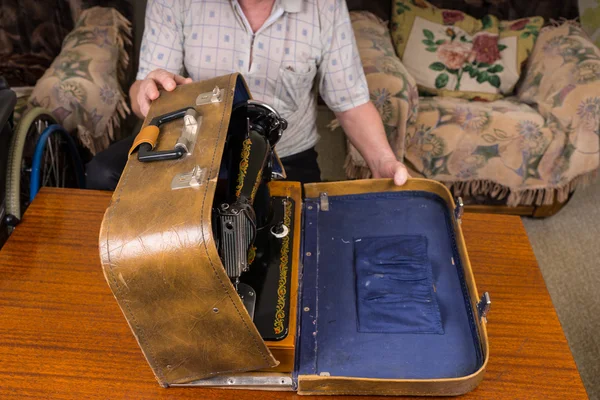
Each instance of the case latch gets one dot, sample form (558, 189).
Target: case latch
(459, 209)
(216, 96)
(191, 179)
(189, 132)
(324, 201)
(483, 307)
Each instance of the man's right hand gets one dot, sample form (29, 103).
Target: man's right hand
(143, 92)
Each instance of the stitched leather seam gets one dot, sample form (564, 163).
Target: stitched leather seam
(212, 164)
(468, 384)
(381, 392)
(142, 338)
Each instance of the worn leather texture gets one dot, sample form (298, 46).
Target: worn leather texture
(338, 385)
(160, 259)
(321, 385)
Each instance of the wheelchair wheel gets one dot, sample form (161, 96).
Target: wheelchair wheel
(58, 161)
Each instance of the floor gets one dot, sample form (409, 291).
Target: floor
(567, 247)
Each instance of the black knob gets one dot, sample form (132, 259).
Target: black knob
(11, 220)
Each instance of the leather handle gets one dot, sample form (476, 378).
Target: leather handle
(146, 139)
(149, 135)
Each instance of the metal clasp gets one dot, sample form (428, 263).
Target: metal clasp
(189, 132)
(216, 96)
(483, 306)
(459, 209)
(324, 201)
(191, 179)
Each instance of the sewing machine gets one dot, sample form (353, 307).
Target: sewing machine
(230, 276)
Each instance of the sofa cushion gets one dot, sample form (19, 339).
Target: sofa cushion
(82, 87)
(497, 148)
(453, 54)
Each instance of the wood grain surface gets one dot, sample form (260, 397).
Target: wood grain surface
(62, 335)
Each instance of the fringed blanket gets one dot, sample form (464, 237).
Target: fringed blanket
(529, 149)
(83, 87)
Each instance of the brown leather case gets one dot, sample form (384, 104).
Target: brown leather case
(160, 260)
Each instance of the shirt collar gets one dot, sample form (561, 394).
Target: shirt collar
(290, 6)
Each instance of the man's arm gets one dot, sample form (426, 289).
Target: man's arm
(343, 86)
(365, 130)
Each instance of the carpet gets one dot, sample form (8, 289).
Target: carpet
(567, 248)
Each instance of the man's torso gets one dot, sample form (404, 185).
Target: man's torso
(279, 61)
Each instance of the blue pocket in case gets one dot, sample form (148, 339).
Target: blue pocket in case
(394, 285)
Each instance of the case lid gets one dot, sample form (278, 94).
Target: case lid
(158, 252)
(388, 302)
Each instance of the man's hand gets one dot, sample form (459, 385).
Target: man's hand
(391, 168)
(365, 130)
(143, 92)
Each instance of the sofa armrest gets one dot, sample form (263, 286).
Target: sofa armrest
(393, 90)
(563, 82)
(83, 86)
(563, 73)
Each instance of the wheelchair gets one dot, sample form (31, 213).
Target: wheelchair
(36, 152)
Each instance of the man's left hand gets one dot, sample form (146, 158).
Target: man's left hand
(391, 168)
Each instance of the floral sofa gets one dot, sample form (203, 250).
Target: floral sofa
(529, 149)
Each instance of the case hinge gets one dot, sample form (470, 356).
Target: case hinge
(272, 381)
(216, 96)
(324, 201)
(459, 209)
(483, 307)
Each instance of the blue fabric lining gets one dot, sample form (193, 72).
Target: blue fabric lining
(306, 347)
(394, 286)
(466, 297)
(330, 340)
(240, 94)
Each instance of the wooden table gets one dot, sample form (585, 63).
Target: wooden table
(62, 335)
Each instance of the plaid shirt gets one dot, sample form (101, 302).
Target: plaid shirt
(300, 41)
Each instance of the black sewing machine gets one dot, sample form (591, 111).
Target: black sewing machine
(249, 225)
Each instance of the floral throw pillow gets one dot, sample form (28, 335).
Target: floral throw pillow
(453, 54)
(524, 32)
